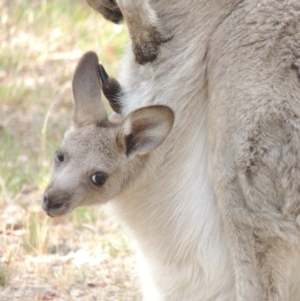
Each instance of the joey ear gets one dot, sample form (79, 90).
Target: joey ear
(86, 85)
(145, 129)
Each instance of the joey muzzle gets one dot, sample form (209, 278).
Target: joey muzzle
(55, 205)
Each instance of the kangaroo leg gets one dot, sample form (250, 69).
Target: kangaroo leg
(108, 8)
(144, 29)
(248, 282)
(274, 268)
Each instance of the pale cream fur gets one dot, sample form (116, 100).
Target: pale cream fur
(253, 76)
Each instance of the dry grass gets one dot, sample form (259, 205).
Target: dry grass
(84, 256)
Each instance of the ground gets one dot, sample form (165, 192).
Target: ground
(83, 256)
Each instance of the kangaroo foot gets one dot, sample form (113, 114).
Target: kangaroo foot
(108, 8)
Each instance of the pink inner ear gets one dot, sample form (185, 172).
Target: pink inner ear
(138, 135)
(145, 129)
(141, 125)
(130, 144)
(134, 142)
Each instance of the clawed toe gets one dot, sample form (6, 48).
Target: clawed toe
(108, 8)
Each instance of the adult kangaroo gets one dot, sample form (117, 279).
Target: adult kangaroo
(215, 210)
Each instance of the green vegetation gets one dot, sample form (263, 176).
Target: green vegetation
(5, 274)
(35, 238)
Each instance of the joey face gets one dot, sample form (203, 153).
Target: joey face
(97, 158)
(88, 168)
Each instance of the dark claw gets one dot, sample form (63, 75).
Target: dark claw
(109, 9)
(104, 76)
(111, 89)
(114, 16)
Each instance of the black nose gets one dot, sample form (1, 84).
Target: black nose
(51, 204)
(46, 201)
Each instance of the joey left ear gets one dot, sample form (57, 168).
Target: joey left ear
(145, 129)
(86, 86)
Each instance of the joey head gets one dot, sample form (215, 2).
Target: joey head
(98, 158)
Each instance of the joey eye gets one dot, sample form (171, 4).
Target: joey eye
(99, 178)
(59, 157)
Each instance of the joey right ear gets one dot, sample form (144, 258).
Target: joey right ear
(86, 86)
(145, 129)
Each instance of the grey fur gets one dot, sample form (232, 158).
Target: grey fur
(231, 75)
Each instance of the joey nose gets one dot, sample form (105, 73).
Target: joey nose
(46, 201)
(51, 203)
